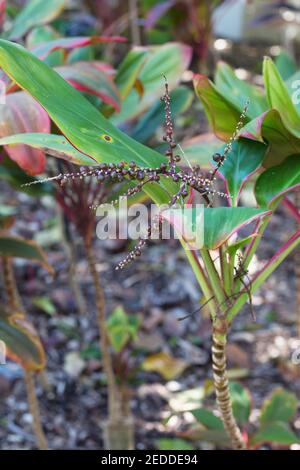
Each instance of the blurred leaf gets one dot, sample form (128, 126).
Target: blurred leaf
(88, 77)
(19, 114)
(244, 159)
(146, 126)
(43, 50)
(171, 59)
(279, 98)
(22, 341)
(91, 352)
(164, 364)
(55, 145)
(270, 128)
(157, 11)
(129, 70)
(40, 35)
(45, 304)
(20, 248)
(173, 444)
(241, 402)
(285, 65)
(35, 12)
(200, 149)
(280, 406)
(222, 115)
(238, 91)
(277, 432)
(198, 433)
(121, 328)
(208, 419)
(275, 182)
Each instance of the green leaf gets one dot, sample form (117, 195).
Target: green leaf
(81, 123)
(36, 12)
(20, 248)
(221, 222)
(218, 224)
(238, 91)
(181, 99)
(45, 304)
(55, 145)
(270, 128)
(222, 115)
(280, 406)
(241, 402)
(276, 432)
(285, 65)
(129, 70)
(208, 419)
(244, 159)
(173, 444)
(234, 247)
(275, 182)
(22, 341)
(171, 59)
(121, 328)
(279, 98)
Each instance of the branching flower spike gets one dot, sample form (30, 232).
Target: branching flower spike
(188, 179)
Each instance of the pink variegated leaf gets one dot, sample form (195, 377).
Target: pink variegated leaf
(92, 79)
(211, 226)
(43, 50)
(277, 181)
(159, 10)
(21, 113)
(269, 128)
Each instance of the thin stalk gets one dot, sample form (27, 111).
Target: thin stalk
(201, 277)
(35, 410)
(225, 270)
(113, 402)
(213, 276)
(251, 250)
(222, 391)
(267, 270)
(134, 22)
(15, 304)
(70, 252)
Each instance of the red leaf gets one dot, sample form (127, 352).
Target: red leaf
(91, 78)
(43, 50)
(21, 113)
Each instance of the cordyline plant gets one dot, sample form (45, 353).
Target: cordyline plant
(22, 113)
(221, 265)
(19, 335)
